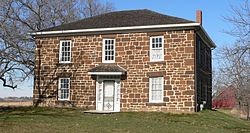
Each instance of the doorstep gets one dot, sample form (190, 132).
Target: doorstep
(99, 112)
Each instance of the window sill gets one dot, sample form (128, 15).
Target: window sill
(157, 62)
(63, 100)
(64, 64)
(108, 62)
(156, 104)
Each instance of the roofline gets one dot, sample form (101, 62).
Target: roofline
(208, 37)
(212, 42)
(115, 28)
(124, 28)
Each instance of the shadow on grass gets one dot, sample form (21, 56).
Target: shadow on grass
(15, 108)
(36, 111)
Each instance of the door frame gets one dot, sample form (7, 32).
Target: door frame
(100, 93)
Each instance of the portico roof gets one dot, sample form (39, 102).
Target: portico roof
(107, 69)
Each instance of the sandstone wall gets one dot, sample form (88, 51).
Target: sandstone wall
(132, 53)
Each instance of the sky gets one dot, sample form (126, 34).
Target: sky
(213, 12)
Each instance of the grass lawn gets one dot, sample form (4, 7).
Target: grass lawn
(28, 119)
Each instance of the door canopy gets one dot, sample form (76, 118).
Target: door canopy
(107, 69)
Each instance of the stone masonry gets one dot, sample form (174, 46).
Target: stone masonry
(132, 53)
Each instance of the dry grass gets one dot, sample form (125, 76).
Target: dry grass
(234, 112)
(16, 104)
(58, 120)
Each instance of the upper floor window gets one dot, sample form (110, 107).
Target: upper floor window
(63, 88)
(65, 51)
(108, 51)
(157, 48)
(156, 85)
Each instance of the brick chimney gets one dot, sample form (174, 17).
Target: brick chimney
(199, 16)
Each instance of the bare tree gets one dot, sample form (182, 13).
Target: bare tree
(20, 17)
(235, 71)
(240, 19)
(89, 8)
(234, 61)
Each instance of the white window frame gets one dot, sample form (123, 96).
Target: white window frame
(59, 90)
(151, 49)
(103, 52)
(151, 87)
(60, 51)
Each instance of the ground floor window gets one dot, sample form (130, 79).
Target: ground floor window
(156, 89)
(63, 90)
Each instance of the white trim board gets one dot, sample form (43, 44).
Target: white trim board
(116, 28)
(124, 28)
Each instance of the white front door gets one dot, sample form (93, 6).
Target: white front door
(108, 95)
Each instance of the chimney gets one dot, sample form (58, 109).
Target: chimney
(199, 16)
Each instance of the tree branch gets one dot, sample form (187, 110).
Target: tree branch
(6, 85)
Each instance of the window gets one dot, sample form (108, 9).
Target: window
(65, 52)
(63, 90)
(156, 89)
(157, 48)
(108, 51)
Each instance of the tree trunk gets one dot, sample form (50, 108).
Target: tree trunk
(248, 109)
(39, 100)
(239, 107)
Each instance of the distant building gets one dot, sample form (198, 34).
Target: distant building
(225, 99)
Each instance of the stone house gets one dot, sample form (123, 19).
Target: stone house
(136, 60)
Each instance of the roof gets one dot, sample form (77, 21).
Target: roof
(125, 21)
(121, 19)
(107, 68)
(225, 92)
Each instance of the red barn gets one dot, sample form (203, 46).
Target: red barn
(225, 99)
